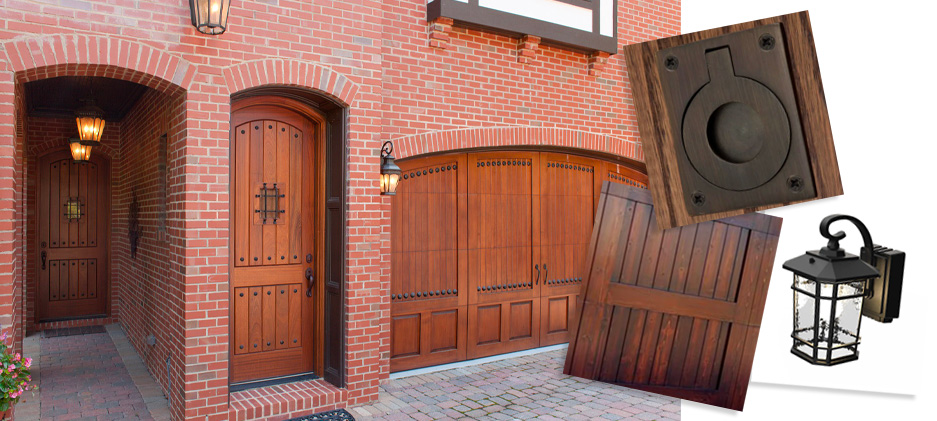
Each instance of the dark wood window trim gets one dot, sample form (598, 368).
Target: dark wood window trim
(474, 16)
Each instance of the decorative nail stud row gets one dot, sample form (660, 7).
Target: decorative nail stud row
(424, 294)
(495, 288)
(626, 180)
(558, 282)
(569, 166)
(497, 163)
(428, 171)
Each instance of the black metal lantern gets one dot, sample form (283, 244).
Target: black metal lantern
(390, 172)
(210, 16)
(829, 287)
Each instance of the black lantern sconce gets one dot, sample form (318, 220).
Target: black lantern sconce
(830, 287)
(210, 16)
(390, 172)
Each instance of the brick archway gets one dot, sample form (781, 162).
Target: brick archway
(254, 74)
(432, 142)
(48, 56)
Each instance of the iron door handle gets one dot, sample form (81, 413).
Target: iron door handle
(43, 257)
(311, 280)
(537, 282)
(546, 273)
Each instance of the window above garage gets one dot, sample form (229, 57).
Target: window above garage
(589, 25)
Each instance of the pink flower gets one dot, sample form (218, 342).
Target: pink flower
(3, 337)
(14, 375)
(29, 362)
(17, 357)
(11, 368)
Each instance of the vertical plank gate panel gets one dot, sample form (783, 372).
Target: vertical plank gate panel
(678, 330)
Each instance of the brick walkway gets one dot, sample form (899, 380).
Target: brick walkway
(90, 377)
(527, 387)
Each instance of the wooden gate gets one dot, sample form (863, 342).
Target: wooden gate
(487, 251)
(275, 206)
(674, 312)
(73, 219)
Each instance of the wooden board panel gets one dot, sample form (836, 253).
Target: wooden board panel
(670, 332)
(663, 130)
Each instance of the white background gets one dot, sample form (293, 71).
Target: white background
(880, 79)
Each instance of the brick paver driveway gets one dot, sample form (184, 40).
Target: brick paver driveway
(528, 387)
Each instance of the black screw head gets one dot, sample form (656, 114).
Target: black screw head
(698, 198)
(795, 183)
(766, 42)
(671, 63)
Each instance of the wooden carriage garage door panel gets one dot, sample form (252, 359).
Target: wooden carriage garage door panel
(428, 296)
(484, 251)
(675, 312)
(274, 243)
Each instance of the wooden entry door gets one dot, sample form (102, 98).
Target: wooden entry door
(73, 219)
(275, 259)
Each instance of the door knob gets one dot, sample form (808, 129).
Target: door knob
(310, 280)
(43, 257)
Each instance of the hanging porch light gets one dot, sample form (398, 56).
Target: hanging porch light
(90, 120)
(80, 151)
(210, 16)
(390, 172)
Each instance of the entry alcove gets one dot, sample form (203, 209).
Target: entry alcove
(487, 247)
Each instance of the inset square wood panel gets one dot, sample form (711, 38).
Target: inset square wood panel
(474, 269)
(733, 120)
(73, 215)
(675, 312)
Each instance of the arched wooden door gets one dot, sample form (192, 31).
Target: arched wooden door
(73, 218)
(276, 209)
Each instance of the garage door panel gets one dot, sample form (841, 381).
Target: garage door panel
(428, 337)
(474, 232)
(681, 331)
(503, 327)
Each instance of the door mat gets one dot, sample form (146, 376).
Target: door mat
(335, 415)
(72, 331)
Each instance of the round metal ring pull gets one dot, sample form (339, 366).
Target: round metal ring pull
(736, 132)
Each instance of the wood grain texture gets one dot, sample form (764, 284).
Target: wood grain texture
(679, 331)
(487, 250)
(659, 139)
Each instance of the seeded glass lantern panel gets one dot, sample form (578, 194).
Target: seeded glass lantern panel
(829, 287)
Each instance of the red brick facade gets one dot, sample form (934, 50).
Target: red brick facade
(376, 58)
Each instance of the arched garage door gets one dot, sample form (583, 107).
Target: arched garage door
(487, 251)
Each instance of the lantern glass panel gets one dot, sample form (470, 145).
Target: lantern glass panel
(804, 309)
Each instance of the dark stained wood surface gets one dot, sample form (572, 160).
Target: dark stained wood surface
(74, 280)
(675, 312)
(487, 251)
(659, 139)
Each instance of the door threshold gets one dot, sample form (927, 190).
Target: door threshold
(477, 361)
(256, 384)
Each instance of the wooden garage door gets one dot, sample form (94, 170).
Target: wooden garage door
(675, 312)
(487, 251)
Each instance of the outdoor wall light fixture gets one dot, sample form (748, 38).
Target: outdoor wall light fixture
(390, 172)
(829, 288)
(80, 151)
(90, 120)
(210, 16)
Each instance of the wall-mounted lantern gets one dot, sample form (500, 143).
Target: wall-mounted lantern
(829, 288)
(80, 151)
(210, 16)
(390, 172)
